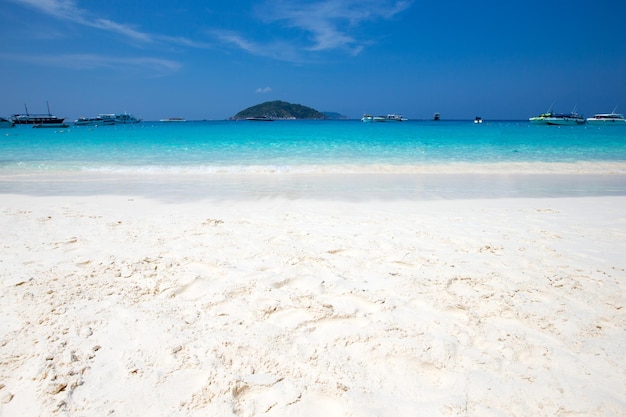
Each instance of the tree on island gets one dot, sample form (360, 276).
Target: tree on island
(279, 110)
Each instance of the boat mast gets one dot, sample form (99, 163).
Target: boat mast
(26, 108)
(48, 104)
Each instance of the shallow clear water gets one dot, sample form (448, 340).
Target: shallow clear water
(304, 146)
(420, 159)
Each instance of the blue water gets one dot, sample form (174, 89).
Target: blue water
(415, 159)
(303, 145)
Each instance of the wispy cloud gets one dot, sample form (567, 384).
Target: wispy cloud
(264, 90)
(148, 65)
(68, 10)
(328, 24)
(280, 50)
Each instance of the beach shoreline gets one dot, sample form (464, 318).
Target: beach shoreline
(125, 303)
(329, 186)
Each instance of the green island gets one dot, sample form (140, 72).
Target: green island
(279, 110)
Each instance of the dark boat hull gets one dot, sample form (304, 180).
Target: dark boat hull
(36, 120)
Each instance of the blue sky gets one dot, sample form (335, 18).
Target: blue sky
(208, 60)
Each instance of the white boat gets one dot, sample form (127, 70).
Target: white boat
(396, 118)
(6, 122)
(611, 119)
(173, 119)
(478, 120)
(558, 119)
(121, 118)
(368, 118)
(93, 121)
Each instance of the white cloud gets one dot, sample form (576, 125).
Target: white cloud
(69, 10)
(280, 50)
(149, 65)
(264, 90)
(328, 24)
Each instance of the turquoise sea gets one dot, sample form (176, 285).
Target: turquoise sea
(415, 159)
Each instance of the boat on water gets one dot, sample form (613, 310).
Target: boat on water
(36, 119)
(478, 120)
(437, 117)
(51, 125)
(4, 122)
(610, 119)
(93, 121)
(119, 118)
(368, 118)
(558, 119)
(260, 119)
(173, 119)
(395, 118)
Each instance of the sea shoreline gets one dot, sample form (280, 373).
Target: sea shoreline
(330, 185)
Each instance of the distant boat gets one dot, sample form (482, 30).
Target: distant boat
(368, 118)
(478, 120)
(93, 121)
(395, 118)
(35, 119)
(436, 117)
(51, 125)
(121, 118)
(557, 119)
(173, 119)
(611, 119)
(260, 119)
(6, 122)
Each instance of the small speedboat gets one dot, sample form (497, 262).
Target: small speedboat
(260, 119)
(478, 120)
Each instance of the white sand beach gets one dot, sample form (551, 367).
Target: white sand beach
(124, 305)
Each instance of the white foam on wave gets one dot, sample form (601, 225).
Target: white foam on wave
(586, 167)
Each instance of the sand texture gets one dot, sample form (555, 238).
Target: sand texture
(114, 305)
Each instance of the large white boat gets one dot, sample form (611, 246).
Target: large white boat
(93, 121)
(557, 119)
(612, 119)
(121, 118)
